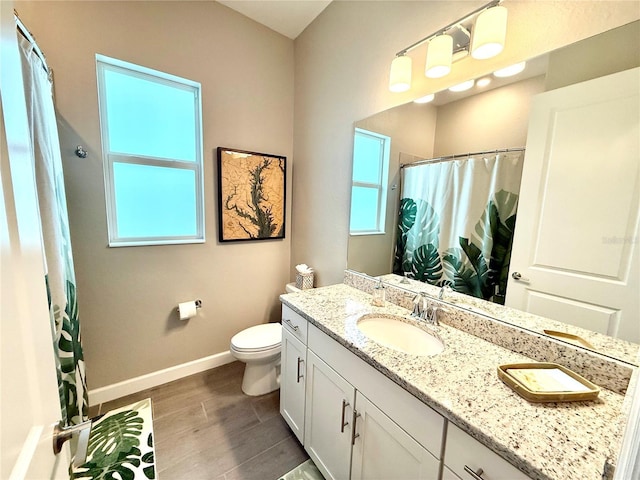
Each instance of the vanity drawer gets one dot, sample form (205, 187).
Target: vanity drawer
(463, 450)
(294, 323)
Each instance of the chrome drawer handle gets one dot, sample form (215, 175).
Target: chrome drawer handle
(300, 361)
(354, 435)
(295, 327)
(477, 475)
(343, 424)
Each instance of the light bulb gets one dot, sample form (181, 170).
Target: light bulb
(439, 53)
(400, 76)
(489, 33)
(510, 70)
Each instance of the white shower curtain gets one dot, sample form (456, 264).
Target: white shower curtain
(60, 276)
(456, 222)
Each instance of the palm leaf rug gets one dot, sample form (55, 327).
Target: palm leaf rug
(120, 446)
(304, 471)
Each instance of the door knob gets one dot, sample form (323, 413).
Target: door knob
(517, 276)
(61, 434)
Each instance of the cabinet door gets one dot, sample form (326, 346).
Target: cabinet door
(292, 383)
(449, 475)
(383, 450)
(464, 454)
(328, 419)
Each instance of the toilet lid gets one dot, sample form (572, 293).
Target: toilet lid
(260, 337)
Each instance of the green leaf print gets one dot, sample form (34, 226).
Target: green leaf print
(406, 220)
(426, 265)
(115, 437)
(463, 278)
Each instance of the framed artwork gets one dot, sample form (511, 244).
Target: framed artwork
(251, 195)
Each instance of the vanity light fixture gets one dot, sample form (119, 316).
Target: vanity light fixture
(489, 33)
(461, 87)
(484, 39)
(400, 77)
(483, 82)
(425, 99)
(510, 70)
(439, 56)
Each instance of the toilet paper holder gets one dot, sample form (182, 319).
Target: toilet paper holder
(197, 302)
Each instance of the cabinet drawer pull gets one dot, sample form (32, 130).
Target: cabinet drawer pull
(477, 475)
(295, 327)
(343, 424)
(300, 361)
(354, 435)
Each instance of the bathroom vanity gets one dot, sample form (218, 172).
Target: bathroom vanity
(363, 410)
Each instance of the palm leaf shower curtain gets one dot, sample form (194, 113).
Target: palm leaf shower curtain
(60, 276)
(456, 223)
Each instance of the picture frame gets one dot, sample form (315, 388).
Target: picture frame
(251, 195)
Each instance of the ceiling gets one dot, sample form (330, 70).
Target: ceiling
(288, 17)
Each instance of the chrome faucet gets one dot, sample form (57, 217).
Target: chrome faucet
(432, 315)
(424, 311)
(444, 289)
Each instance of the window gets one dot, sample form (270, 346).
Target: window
(152, 148)
(369, 187)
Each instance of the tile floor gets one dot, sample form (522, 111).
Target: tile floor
(207, 429)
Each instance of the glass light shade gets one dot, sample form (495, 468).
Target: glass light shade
(439, 54)
(510, 70)
(425, 99)
(400, 76)
(489, 33)
(483, 82)
(461, 87)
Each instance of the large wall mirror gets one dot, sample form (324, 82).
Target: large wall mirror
(490, 117)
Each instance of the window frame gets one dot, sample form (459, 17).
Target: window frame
(381, 187)
(104, 63)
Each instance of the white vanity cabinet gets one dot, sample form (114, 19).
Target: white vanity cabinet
(292, 382)
(361, 425)
(293, 358)
(376, 434)
(355, 423)
(470, 460)
(329, 419)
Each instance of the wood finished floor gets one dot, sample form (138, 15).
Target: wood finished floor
(207, 429)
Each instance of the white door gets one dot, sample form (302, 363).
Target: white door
(576, 240)
(29, 402)
(382, 450)
(292, 382)
(328, 419)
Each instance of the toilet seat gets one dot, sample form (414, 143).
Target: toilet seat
(259, 338)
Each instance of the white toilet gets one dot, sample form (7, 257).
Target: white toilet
(259, 347)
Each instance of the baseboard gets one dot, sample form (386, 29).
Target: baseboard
(137, 384)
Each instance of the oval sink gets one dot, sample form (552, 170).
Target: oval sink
(393, 332)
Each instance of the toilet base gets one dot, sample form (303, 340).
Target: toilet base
(261, 378)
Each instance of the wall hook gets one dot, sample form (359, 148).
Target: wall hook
(81, 152)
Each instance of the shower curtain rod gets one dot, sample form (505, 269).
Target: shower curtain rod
(462, 155)
(27, 34)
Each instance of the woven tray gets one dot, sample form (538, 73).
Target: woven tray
(547, 382)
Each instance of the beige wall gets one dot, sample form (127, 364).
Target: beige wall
(411, 128)
(601, 55)
(127, 296)
(342, 66)
(487, 121)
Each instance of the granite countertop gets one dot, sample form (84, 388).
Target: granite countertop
(555, 441)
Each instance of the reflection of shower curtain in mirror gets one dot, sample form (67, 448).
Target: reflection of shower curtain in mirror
(60, 276)
(456, 222)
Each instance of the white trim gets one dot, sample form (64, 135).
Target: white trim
(104, 64)
(153, 379)
(629, 456)
(28, 452)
